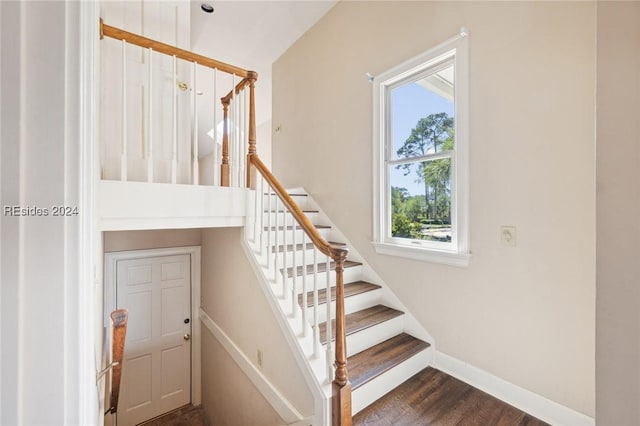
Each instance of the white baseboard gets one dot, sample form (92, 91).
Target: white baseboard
(279, 403)
(527, 401)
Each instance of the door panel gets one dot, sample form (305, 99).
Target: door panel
(156, 374)
(140, 388)
(140, 319)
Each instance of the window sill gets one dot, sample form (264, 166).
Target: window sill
(424, 254)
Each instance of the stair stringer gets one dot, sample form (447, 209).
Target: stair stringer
(313, 367)
(388, 297)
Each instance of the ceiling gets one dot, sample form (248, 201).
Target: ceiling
(252, 35)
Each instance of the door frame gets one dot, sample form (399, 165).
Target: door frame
(110, 264)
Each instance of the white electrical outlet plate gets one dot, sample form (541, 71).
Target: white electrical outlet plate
(508, 236)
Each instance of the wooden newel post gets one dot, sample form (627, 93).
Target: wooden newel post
(224, 166)
(251, 175)
(341, 386)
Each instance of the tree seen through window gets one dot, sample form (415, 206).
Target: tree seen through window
(421, 189)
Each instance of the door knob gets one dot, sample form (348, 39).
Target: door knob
(186, 336)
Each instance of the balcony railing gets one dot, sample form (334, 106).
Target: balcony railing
(160, 101)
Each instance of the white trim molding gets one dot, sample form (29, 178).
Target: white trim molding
(90, 398)
(527, 401)
(110, 263)
(451, 258)
(280, 404)
(142, 205)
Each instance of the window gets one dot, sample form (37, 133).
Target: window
(421, 156)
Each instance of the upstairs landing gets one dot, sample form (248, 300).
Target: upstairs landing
(140, 205)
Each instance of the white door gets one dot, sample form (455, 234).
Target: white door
(156, 372)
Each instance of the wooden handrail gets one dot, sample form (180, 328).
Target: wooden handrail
(119, 34)
(332, 250)
(341, 388)
(241, 85)
(119, 320)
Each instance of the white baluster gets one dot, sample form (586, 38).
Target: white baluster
(241, 148)
(304, 285)
(329, 331)
(194, 113)
(257, 212)
(294, 287)
(149, 131)
(261, 226)
(316, 307)
(245, 143)
(216, 105)
(123, 154)
(277, 249)
(174, 155)
(241, 181)
(284, 252)
(269, 246)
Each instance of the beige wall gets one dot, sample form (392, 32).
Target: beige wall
(228, 397)
(525, 314)
(618, 212)
(232, 297)
(157, 238)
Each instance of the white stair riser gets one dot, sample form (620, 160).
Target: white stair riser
(324, 233)
(350, 275)
(352, 304)
(300, 258)
(376, 388)
(313, 217)
(364, 339)
(300, 200)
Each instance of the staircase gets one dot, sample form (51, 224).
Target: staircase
(384, 345)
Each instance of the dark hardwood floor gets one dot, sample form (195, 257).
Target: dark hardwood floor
(432, 397)
(187, 415)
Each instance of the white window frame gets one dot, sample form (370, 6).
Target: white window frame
(457, 251)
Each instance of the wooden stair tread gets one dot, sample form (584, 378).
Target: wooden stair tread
(308, 246)
(287, 211)
(360, 320)
(333, 243)
(290, 227)
(292, 194)
(321, 267)
(372, 362)
(350, 289)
